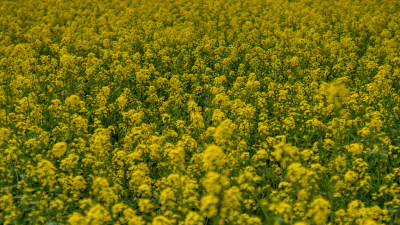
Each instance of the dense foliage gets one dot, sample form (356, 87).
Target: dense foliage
(199, 112)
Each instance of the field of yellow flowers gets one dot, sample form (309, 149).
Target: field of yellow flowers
(200, 112)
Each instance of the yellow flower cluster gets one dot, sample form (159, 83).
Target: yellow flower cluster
(199, 112)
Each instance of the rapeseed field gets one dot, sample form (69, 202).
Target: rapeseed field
(200, 112)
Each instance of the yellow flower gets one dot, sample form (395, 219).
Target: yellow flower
(193, 218)
(4, 135)
(167, 197)
(300, 223)
(6, 201)
(81, 124)
(46, 172)
(161, 220)
(213, 158)
(224, 131)
(145, 205)
(260, 157)
(145, 190)
(351, 176)
(78, 183)
(121, 101)
(208, 205)
(337, 93)
(319, 210)
(131, 218)
(76, 219)
(59, 149)
(285, 153)
(355, 149)
(282, 209)
(218, 116)
(177, 156)
(232, 198)
(97, 214)
(102, 190)
(296, 171)
(72, 101)
(69, 162)
(57, 204)
(197, 120)
(214, 183)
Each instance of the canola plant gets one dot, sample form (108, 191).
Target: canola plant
(200, 112)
